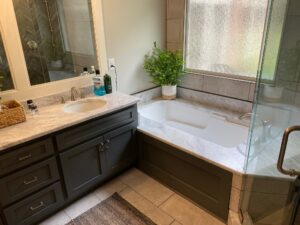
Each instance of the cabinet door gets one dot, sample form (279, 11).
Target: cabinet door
(82, 167)
(120, 149)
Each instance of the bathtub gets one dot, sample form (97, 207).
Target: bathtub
(205, 133)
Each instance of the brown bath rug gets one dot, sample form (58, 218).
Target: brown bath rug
(113, 211)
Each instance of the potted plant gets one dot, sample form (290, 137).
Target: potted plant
(165, 69)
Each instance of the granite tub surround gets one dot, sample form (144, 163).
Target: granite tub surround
(229, 158)
(53, 118)
(148, 95)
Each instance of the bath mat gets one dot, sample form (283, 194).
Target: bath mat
(113, 211)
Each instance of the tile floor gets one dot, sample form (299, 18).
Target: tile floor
(156, 201)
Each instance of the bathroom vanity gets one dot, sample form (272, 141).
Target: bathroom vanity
(42, 175)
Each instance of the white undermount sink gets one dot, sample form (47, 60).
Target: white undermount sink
(85, 105)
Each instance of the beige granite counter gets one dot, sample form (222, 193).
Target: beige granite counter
(53, 118)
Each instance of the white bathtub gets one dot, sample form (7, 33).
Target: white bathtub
(193, 128)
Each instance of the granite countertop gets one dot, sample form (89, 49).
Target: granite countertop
(53, 118)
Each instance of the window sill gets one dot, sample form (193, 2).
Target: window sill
(222, 75)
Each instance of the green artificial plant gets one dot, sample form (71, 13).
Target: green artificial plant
(165, 67)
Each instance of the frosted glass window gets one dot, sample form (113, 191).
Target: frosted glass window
(225, 36)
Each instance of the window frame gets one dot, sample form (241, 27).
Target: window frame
(13, 47)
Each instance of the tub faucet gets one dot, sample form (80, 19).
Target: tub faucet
(266, 125)
(75, 94)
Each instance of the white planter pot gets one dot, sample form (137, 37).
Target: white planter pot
(169, 92)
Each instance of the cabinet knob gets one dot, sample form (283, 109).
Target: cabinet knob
(107, 144)
(101, 147)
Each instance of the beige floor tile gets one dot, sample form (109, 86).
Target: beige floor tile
(176, 223)
(82, 205)
(109, 189)
(146, 186)
(233, 219)
(187, 213)
(60, 218)
(146, 207)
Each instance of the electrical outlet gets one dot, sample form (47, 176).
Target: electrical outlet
(111, 63)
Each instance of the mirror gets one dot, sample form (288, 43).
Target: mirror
(57, 38)
(6, 82)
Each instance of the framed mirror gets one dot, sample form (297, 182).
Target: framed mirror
(57, 38)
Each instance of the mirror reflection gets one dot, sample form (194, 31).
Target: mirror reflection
(57, 38)
(6, 82)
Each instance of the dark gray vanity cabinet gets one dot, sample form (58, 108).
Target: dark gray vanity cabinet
(82, 166)
(120, 149)
(100, 149)
(91, 162)
(37, 206)
(40, 177)
(29, 183)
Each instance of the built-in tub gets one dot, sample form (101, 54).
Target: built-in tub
(193, 149)
(205, 133)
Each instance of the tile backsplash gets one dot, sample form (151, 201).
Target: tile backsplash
(227, 87)
(217, 101)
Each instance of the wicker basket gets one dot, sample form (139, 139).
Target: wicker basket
(12, 113)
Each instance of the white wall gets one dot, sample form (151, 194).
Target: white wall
(131, 27)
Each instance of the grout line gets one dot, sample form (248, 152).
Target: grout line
(152, 203)
(166, 199)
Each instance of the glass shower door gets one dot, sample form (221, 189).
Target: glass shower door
(271, 195)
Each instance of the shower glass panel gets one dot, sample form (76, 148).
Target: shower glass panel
(57, 38)
(270, 197)
(6, 82)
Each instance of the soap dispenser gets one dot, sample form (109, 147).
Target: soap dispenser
(99, 88)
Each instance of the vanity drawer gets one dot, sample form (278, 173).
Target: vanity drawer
(25, 182)
(89, 130)
(36, 207)
(26, 155)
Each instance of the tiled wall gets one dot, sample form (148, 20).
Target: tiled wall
(233, 88)
(242, 90)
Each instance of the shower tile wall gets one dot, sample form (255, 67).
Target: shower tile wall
(288, 70)
(5, 76)
(33, 23)
(233, 88)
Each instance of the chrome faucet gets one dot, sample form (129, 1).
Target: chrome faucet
(266, 125)
(75, 94)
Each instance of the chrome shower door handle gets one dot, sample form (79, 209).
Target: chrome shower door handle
(285, 139)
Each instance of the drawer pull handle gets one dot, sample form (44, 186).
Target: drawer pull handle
(25, 157)
(33, 208)
(35, 179)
